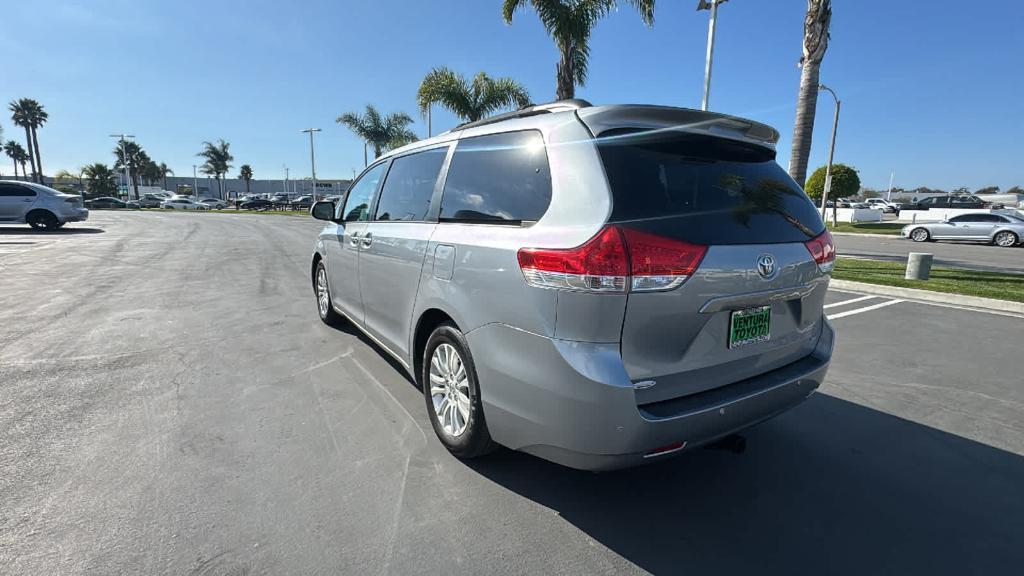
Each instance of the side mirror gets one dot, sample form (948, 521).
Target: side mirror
(323, 211)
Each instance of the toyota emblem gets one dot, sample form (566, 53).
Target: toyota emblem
(766, 266)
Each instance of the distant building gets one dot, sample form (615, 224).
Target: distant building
(233, 187)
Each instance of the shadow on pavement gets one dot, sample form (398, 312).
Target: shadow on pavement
(29, 231)
(832, 487)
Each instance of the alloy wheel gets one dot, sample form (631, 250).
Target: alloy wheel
(449, 389)
(1006, 239)
(323, 299)
(919, 235)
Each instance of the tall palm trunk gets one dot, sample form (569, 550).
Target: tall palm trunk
(39, 161)
(15, 162)
(565, 75)
(28, 142)
(135, 184)
(816, 23)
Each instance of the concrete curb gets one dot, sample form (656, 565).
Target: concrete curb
(930, 296)
(891, 236)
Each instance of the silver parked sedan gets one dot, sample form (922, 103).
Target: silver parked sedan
(1000, 229)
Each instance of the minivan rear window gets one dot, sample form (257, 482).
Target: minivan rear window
(705, 189)
(498, 178)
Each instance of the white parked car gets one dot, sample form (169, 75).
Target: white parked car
(880, 204)
(180, 203)
(215, 203)
(39, 206)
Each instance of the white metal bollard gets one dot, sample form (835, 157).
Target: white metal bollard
(919, 266)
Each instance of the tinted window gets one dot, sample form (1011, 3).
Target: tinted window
(964, 218)
(409, 185)
(16, 190)
(500, 177)
(705, 190)
(357, 206)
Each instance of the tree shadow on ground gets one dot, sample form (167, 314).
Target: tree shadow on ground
(831, 487)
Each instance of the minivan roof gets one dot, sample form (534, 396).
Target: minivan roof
(601, 119)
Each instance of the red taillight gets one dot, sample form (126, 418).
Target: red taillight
(658, 263)
(611, 261)
(823, 251)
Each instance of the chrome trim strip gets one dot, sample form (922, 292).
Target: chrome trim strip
(750, 299)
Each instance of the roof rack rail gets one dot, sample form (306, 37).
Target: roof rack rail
(530, 110)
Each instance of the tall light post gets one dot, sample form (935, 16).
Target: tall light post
(124, 159)
(711, 5)
(195, 183)
(286, 175)
(312, 159)
(831, 150)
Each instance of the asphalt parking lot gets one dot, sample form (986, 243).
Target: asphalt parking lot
(172, 405)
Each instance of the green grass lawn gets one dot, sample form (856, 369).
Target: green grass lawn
(868, 227)
(953, 281)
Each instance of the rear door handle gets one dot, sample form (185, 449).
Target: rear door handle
(353, 240)
(368, 240)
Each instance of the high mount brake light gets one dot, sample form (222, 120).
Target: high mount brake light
(823, 250)
(615, 260)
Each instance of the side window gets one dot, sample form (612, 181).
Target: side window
(962, 219)
(409, 186)
(357, 205)
(16, 190)
(499, 177)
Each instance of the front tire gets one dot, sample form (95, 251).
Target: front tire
(1006, 239)
(920, 235)
(42, 220)
(324, 306)
(452, 394)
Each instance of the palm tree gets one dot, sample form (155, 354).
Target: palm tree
(245, 173)
(470, 101)
(383, 133)
(17, 155)
(569, 23)
(102, 180)
(132, 155)
(164, 171)
(21, 114)
(816, 24)
(218, 161)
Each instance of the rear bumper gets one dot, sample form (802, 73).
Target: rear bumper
(573, 403)
(76, 215)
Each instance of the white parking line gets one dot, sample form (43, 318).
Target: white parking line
(864, 309)
(851, 301)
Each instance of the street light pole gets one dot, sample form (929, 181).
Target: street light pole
(195, 183)
(831, 151)
(124, 159)
(312, 158)
(711, 5)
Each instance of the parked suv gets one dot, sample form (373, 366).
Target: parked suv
(38, 206)
(598, 286)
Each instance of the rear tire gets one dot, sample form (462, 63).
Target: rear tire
(324, 305)
(452, 394)
(1006, 239)
(42, 220)
(920, 235)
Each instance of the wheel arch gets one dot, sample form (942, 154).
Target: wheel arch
(317, 258)
(428, 321)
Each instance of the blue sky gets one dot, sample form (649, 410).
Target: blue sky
(932, 90)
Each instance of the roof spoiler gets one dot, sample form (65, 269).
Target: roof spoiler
(600, 119)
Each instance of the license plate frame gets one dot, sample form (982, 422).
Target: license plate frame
(749, 326)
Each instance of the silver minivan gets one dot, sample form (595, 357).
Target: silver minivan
(600, 286)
